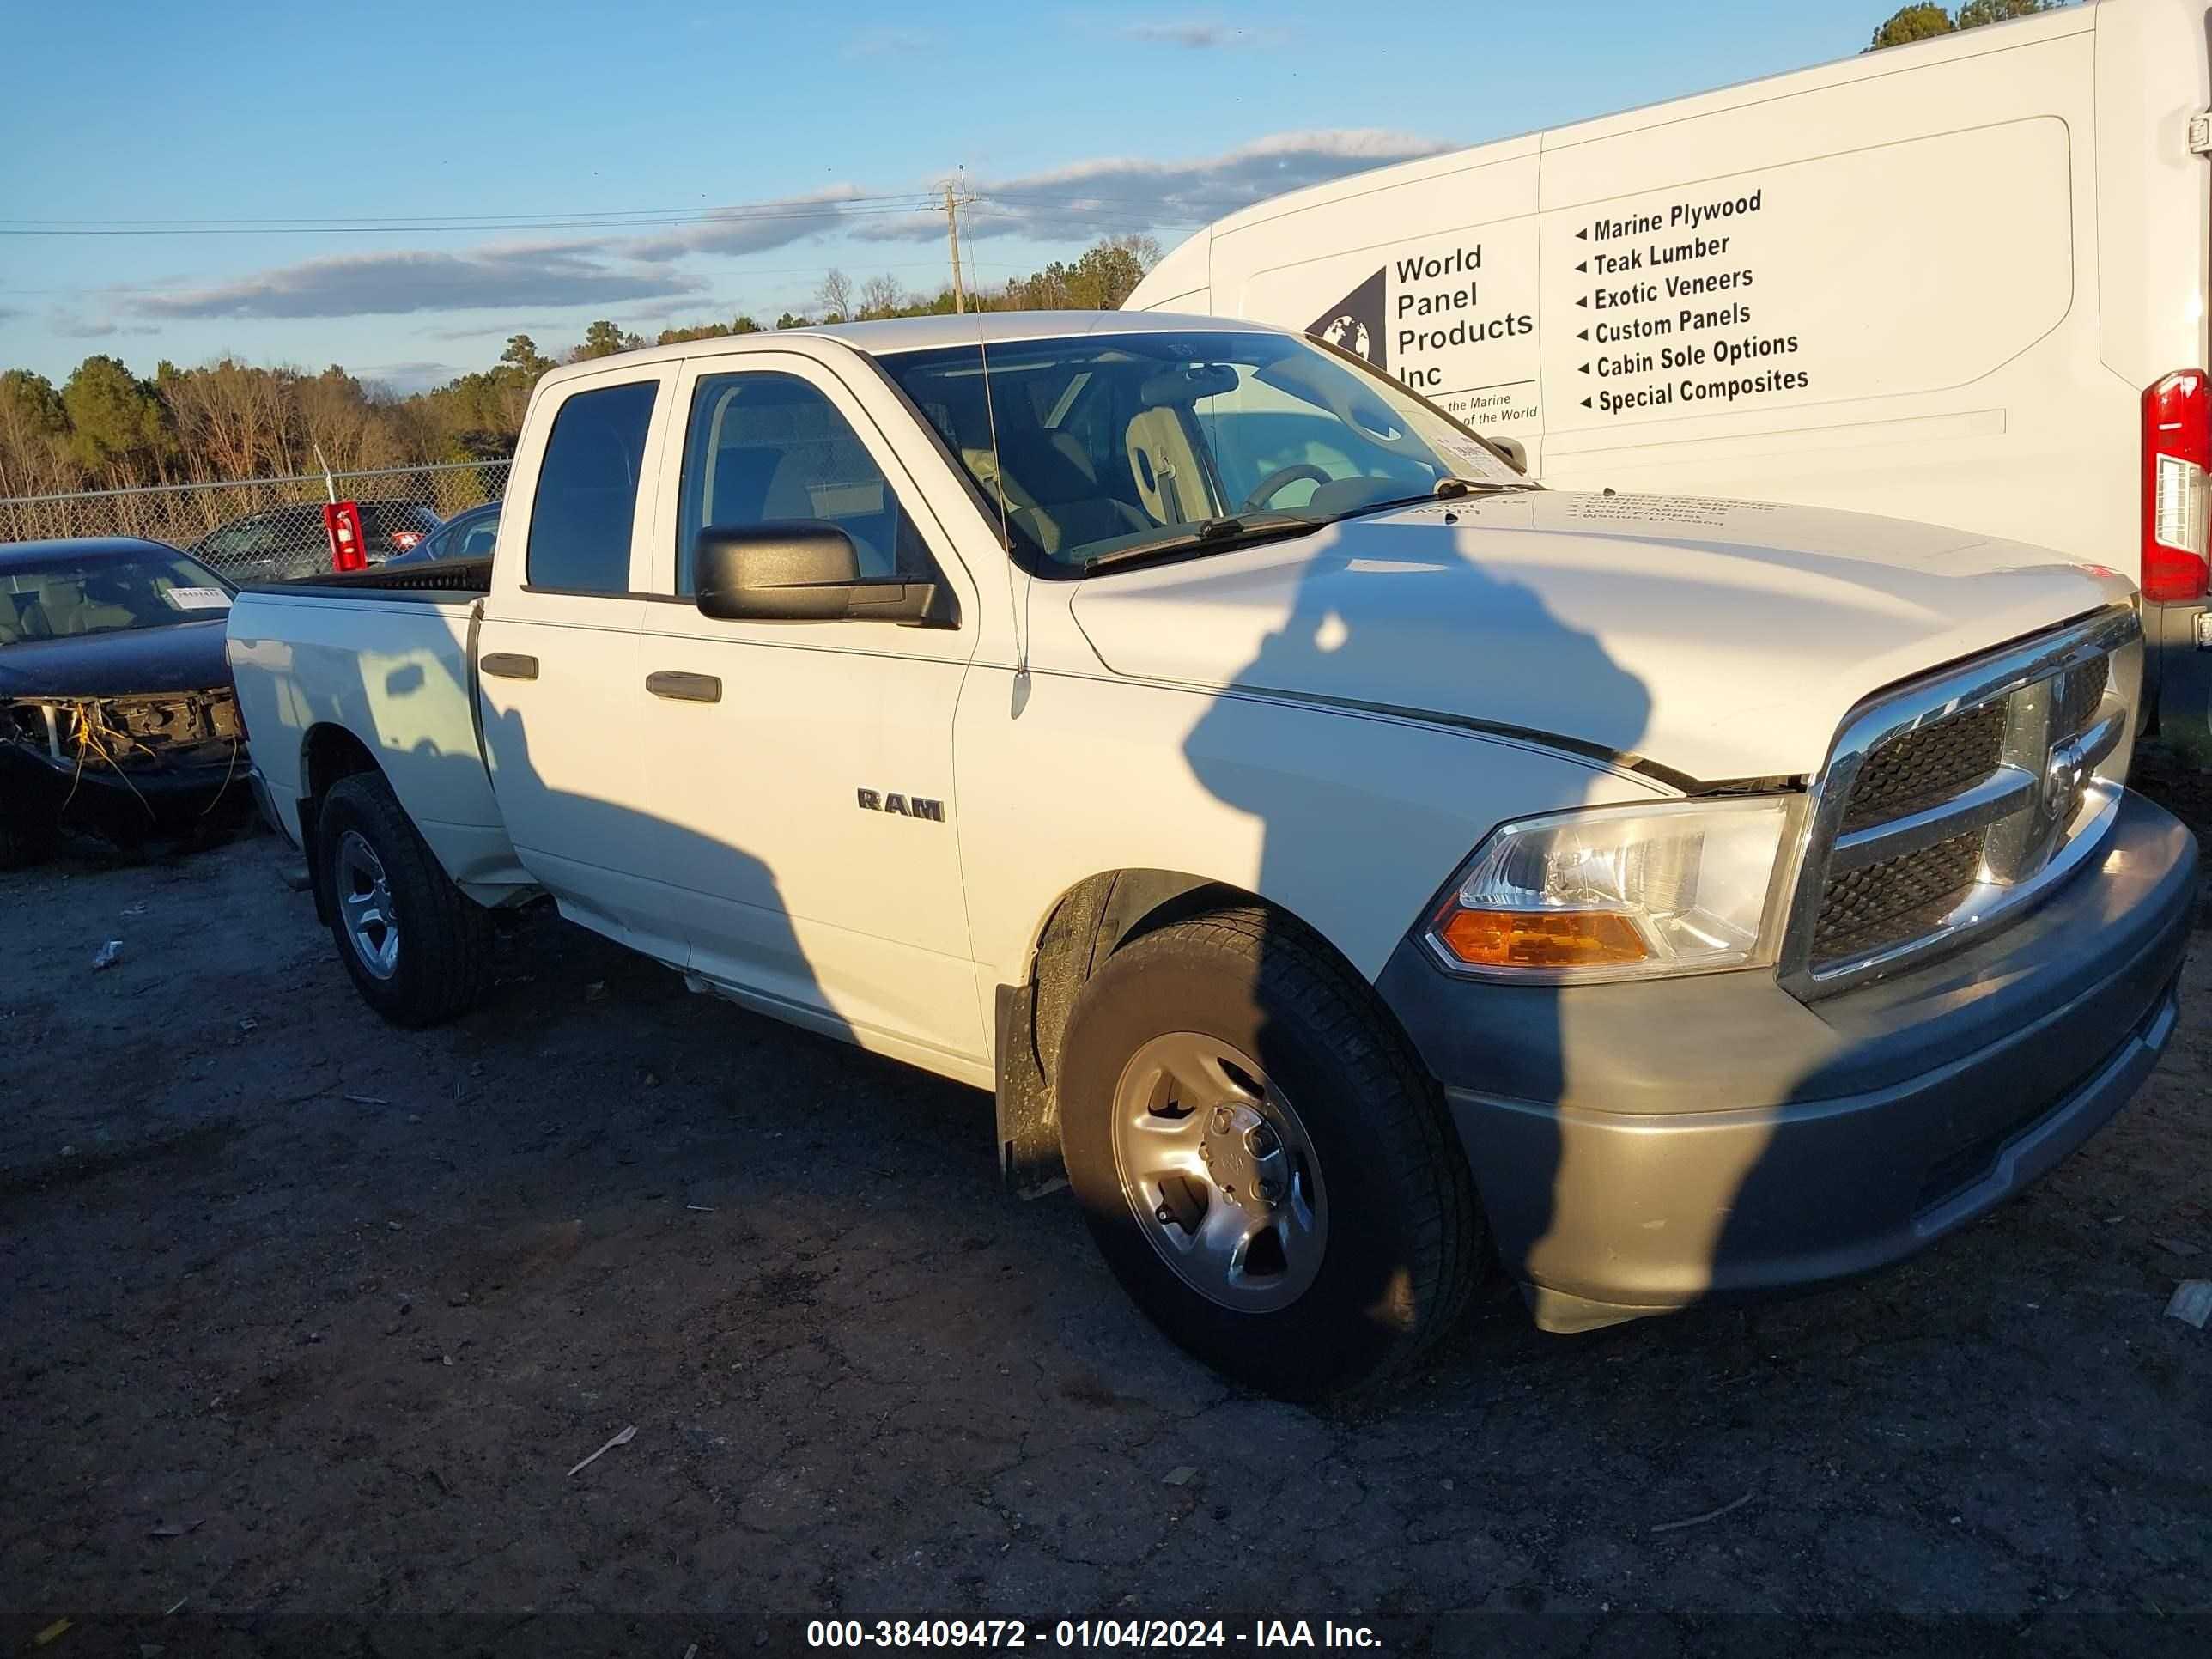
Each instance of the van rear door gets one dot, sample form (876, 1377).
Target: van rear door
(2154, 277)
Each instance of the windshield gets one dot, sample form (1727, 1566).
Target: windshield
(1118, 444)
(103, 593)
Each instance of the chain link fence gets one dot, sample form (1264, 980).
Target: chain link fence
(265, 529)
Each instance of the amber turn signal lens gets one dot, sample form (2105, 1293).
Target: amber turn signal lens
(1515, 938)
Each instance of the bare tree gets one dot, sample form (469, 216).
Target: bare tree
(337, 418)
(833, 296)
(232, 418)
(883, 297)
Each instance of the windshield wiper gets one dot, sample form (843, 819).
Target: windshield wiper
(1245, 528)
(1230, 531)
(1447, 488)
(1450, 488)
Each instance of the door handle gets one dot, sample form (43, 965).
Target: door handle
(685, 687)
(508, 666)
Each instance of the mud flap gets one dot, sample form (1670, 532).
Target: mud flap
(1029, 1121)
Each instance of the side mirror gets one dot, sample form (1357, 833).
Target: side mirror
(799, 570)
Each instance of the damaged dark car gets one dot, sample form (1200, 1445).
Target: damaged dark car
(117, 715)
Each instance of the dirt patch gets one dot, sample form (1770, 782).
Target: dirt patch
(308, 1324)
(71, 1167)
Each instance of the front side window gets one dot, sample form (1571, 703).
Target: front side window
(587, 500)
(1103, 446)
(764, 447)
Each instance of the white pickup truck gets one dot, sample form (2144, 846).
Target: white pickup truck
(1364, 873)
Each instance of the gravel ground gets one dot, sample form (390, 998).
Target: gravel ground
(308, 1319)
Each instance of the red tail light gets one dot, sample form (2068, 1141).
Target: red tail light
(2177, 452)
(404, 539)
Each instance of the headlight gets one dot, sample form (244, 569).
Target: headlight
(1618, 892)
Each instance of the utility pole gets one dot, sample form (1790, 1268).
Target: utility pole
(952, 235)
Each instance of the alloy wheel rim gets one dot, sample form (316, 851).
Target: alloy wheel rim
(1219, 1172)
(365, 904)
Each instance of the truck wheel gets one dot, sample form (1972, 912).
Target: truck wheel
(1262, 1160)
(419, 949)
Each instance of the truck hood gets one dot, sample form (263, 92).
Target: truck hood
(1719, 640)
(184, 656)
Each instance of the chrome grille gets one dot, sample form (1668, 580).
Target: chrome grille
(2079, 692)
(1951, 801)
(1881, 904)
(1917, 769)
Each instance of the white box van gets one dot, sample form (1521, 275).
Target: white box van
(1961, 281)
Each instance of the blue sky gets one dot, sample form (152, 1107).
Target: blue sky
(1070, 122)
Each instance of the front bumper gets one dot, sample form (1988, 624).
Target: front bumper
(1639, 1147)
(170, 798)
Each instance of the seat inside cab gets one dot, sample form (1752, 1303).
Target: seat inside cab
(1091, 462)
(43, 606)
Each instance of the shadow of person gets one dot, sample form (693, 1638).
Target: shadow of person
(415, 712)
(1391, 652)
(746, 912)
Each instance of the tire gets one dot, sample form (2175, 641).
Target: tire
(1349, 1164)
(427, 958)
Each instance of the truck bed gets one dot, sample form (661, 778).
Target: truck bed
(442, 578)
(335, 660)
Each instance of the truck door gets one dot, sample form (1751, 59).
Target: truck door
(803, 826)
(557, 654)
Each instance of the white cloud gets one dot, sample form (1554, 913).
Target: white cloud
(755, 228)
(407, 377)
(1198, 35)
(1093, 198)
(1075, 204)
(412, 280)
(478, 330)
(70, 326)
(886, 42)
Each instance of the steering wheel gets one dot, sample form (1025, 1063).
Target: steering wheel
(1280, 479)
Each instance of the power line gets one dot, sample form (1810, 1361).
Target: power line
(1019, 200)
(788, 206)
(739, 269)
(358, 219)
(426, 228)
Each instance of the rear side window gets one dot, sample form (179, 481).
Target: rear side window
(579, 521)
